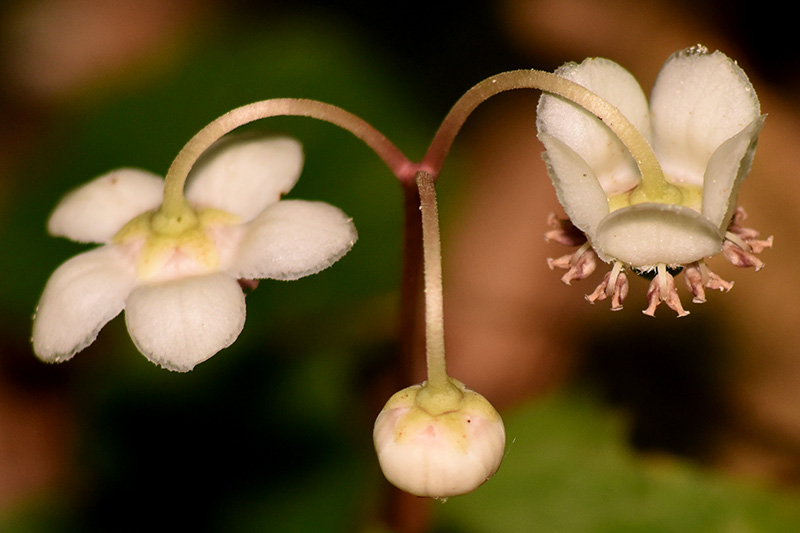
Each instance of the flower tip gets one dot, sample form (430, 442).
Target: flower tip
(438, 455)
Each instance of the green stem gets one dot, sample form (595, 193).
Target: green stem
(654, 186)
(434, 301)
(174, 204)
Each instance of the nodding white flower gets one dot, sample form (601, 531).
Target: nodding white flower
(702, 122)
(180, 288)
(433, 447)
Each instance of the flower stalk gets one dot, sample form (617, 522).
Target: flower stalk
(434, 303)
(654, 187)
(174, 205)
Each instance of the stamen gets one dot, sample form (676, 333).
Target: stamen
(662, 289)
(612, 279)
(699, 277)
(738, 242)
(695, 276)
(740, 257)
(661, 273)
(579, 252)
(704, 272)
(579, 265)
(614, 285)
(564, 232)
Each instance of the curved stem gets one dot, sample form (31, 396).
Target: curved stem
(174, 202)
(653, 182)
(434, 301)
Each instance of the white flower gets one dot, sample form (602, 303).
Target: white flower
(438, 453)
(180, 288)
(702, 123)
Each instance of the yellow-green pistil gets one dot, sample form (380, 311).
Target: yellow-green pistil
(684, 194)
(164, 235)
(449, 411)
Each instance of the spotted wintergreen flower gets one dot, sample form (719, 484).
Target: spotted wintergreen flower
(179, 284)
(702, 123)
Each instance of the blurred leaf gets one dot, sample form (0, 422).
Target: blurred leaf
(568, 469)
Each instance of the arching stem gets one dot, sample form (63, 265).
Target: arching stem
(174, 202)
(654, 186)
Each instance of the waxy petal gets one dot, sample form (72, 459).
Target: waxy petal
(726, 170)
(80, 297)
(96, 211)
(243, 174)
(292, 239)
(585, 134)
(698, 102)
(645, 235)
(576, 185)
(180, 323)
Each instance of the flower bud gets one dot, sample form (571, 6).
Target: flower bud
(439, 443)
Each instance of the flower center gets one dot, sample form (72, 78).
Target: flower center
(175, 246)
(684, 194)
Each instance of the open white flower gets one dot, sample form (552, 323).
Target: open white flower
(703, 122)
(180, 288)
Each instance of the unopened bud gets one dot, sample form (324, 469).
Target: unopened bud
(436, 443)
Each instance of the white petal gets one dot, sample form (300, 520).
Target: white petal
(243, 174)
(576, 185)
(645, 235)
(698, 102)
(180, 323)
(96, 211)
(588, 136)
(80, 297)
(292, 239)
(727, 168)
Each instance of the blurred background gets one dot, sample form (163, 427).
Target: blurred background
(615, 421)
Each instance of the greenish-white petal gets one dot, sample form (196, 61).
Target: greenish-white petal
(592, 140)
(243, 173)
(292, 239)
(576, 185)
(182, 322)
(97, 210)
(80, 297)
(699, 101)
(645, 235)
(726, 170)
